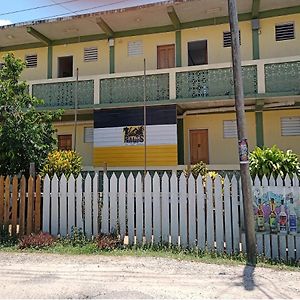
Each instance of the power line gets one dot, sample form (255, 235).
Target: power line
(35, 8)
(81, 10)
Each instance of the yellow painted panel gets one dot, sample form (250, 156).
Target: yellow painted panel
(40, 72)
(101, 66)
(125, 63)
(272, 130)
(163, 155)
(269, 48)
(84, 149)
(214, 36)
(221, 150)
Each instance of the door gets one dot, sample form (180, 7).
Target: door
(166, 56)
(199, 146)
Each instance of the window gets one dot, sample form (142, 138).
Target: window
(197, 53)
(290, 126)
(65, 66)
(65, 142)
(284, 32)
(227, 39)
(135, 48)
(229, 129)
(90, 54)
(88, 134)
(31, 61)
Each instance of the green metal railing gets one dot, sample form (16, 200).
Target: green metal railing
(63, 94)
(283, 77)
(131, 89)
(213, 83)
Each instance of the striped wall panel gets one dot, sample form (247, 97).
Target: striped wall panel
(119, 137)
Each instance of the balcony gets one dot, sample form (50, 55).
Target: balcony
(262, 78)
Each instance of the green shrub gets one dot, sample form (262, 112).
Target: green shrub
(197, 169)
(267, 161)
(62, 162)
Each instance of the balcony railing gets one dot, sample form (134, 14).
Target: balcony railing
(267, 77)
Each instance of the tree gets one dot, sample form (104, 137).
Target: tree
(26, 135)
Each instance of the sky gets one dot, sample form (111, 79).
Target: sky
(66, 7)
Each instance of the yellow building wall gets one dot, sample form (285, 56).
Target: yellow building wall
(272, 130)
(269, 48)
(214, 36)
(125, 63)
(84, 149)
(40, 72)
(221, 150)
(101, 66)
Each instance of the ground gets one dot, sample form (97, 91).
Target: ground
(28, 275)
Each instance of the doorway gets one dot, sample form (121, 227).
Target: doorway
(197, 53)
(166, 56)
(65, 66)
(199, 146)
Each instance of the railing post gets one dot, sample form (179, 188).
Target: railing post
(172, 84)
(30, 89)
(96, 91)
(261, 80)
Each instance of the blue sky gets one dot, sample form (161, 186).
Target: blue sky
(66, 7)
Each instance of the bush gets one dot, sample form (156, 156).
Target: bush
(62, 162)
(108, 242)
(197, 169)
(40, 240)
(267, 161)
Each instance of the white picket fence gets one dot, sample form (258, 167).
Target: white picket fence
(207, 214)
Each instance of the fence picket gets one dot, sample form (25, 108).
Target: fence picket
(227, 208)
(272, 181)
(79, 216)
(122, 206)
(241, 202)
(219, 215)
(267, 245)
(259, 242)
(291, 247)
(63, 206)
(191, 212)
(183, 211)
(1, 201)
(113, 203)
(156, 210)
(130, 208)
(139, 209)
(200, 214)
(274, 246)
(174, 209)
(297, 247)
(209, 214)
(23, 206)
(14, 211)
(54, 205)
(6, 203)
(104, 211)
(29, 220)
(46, 204)
(165, 209)
(71, 204)
(96, 204)
(88, 206)
(148, 209)
(282, 247)
(235, 216)
(37, 206)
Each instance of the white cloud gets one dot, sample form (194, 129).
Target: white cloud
(5, 22)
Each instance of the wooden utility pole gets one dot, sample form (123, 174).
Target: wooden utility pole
(241, 128)
(145, 122)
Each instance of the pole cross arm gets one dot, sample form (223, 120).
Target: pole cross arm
(105, 27)
(173, 17)
(39, 36)
(255, 9)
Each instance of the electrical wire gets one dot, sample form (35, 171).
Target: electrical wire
(37, 7)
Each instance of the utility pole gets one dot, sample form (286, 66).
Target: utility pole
(145, 123)
(241, 128)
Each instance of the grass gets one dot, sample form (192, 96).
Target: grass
(71, 247)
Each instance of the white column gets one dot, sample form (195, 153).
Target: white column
(172, 84)
(261, 80)
(96, 91)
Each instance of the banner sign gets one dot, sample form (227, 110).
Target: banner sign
(133, 135)
(277, 209)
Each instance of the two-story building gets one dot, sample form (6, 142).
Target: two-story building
(189, 87)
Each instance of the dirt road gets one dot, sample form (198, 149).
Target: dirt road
(57, 276)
